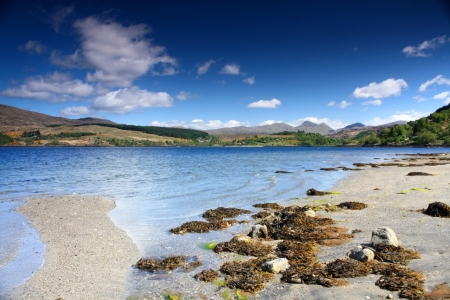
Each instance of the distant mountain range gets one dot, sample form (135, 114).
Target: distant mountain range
(12, 117)
(306, 126)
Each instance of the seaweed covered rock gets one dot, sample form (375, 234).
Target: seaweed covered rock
(253, 248)
(313, 192)
(168, 264)
(261, 215)
(259, 231)
(207, 275)
(221, 213)
(385, 236)
(268, 205)
(419, 174)
(438, 209)
(352, 205)
(202, 227)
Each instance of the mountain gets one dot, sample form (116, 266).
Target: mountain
(354, 125)
(13, 117)
(273, 128)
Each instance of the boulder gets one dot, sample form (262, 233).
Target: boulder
(361, 254)
(275, 266)
(259, 231)
(385, 236)
(310, 213)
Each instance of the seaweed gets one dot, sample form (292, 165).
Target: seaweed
(398, 278)
(313, 192)
(247, 276)
(348, 268)
(419, 174)
(239, 246)
(393, 254)
(268, 205)
(438, 209)
(352, 205)
(168, 264)
(221, 213)
(328, 169)
(202, 227)
(297, 252)
(282, 172)
(207, 275)
(261, 215)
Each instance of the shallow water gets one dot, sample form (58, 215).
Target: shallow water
(156, 189)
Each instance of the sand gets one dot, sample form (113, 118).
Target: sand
(87, 256)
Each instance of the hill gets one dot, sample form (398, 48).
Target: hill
(12, 118)
(306, 126)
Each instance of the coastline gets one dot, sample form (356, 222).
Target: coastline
(86, 257)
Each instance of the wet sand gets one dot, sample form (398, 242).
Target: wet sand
(86, 257)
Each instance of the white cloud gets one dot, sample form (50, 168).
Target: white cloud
(442, 95)
(344, 104)
(183, 95)
(200, 124)
(118, 54)
(409, 115)
(231, 69)
(439, 80)
(331, 103)
(419, 51)
(420, 98)
(274, 103)
(250, 80)
(204, 68)
(126, 100)
(335, 124)
(387, 88)
(33, 47)
(74, 111)
(373, 102)
(59, 17)
(53, 87)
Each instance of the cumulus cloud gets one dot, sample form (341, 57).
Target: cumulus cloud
(419, 51)
(118, 54)
(331, 103)
(53, 87)
(274, 103)
(439, 80)
(204, 68)
(183, 95)
(420, 98)
(231, 69)
(373, 102)
(200, 124)
(74, 111)
(410, 115)
(442, 95)
(344, 104)
(128, 99)
(33, 47)
(387, 88)
(250, 80)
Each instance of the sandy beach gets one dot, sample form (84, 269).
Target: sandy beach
(86, 257)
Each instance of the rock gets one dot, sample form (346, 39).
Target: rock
(276, 266)
(390, 296)
(282, 172)
(243, 238)
(361, 254)
(385, 236)
(438, 209)
(310, 213)
(259, 231)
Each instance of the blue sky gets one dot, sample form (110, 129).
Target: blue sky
(212, 64)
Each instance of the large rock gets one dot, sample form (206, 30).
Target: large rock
(259, 231)
(276, 266)
(361, 254)
(310, 213)
(385, 236)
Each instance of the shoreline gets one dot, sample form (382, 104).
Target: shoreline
(86, 257)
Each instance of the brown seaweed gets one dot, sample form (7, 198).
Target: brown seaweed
(268, 205)
(168, 263)
(221, 213)
(313, 192)
(207, 275)
(438, 209)
(242, 247)
(393, 254)
(419, 174)
(201, 226)
(352, 205)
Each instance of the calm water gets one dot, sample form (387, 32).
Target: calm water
(156, 189)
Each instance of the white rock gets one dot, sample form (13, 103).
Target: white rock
(276, 266)
(384, 235)
(259, 231)
(390, 296)
(361, 254)
(310, 213)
